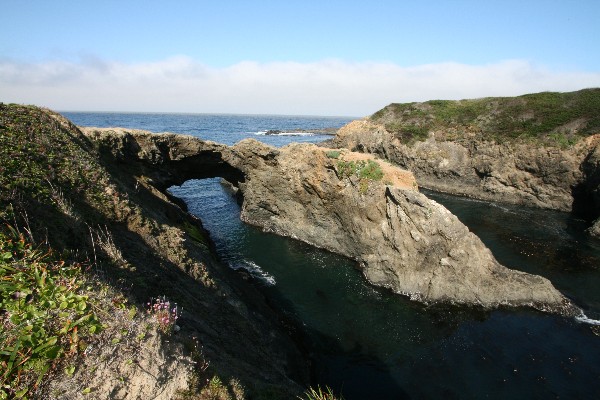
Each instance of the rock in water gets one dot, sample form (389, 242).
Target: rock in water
(348, 203)
(401, 239)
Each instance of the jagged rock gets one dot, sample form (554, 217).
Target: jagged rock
(401, 239)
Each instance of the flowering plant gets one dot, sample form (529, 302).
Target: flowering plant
(165, 313)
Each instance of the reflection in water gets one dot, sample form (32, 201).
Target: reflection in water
(369, 343)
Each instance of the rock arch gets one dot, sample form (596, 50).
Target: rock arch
(167, 159)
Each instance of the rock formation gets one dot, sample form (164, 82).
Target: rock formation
(516, 173)
(401, 239)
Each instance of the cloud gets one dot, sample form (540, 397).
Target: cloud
(328, 87)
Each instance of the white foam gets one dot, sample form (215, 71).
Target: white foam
(295, 134)
(586, 320)
(255, 270)
(264, 133)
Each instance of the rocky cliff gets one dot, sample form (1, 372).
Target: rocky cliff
(351, 204)
(537, 150)
(82, 225)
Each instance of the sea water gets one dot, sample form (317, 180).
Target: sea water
(368, 343)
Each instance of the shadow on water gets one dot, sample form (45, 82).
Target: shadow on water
(369, 343)
(548, 243)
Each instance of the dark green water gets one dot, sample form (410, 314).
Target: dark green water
(370, 344)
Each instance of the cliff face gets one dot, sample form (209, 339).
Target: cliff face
(354, 205)
(536, 150)
(517, 173)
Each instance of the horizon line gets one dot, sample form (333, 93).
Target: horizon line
(211, 113)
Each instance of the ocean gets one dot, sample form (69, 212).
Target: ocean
(368, 343)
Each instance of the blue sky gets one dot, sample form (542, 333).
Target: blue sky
(290, 57)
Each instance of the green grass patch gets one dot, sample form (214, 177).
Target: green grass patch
(365, 171)
(335, 154)
(537, 116)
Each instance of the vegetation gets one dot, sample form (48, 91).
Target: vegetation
(46, 312)
(164, 313)
(552, 118)
(365, 171)
(48, 303)
(319, 394)
(335, 154)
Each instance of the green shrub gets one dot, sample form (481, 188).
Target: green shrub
(335, 154)
(366, 171)
(46, 311)
(370, 170)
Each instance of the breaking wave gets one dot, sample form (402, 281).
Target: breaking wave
(265, 133)
(255, 270)
(586, 320)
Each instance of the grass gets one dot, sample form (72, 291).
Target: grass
(319, 394)
(556, 119)
(41, 161)
(335, 154)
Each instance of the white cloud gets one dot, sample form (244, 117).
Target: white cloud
(329, 87)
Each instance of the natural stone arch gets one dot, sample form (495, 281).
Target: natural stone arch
(167, 159)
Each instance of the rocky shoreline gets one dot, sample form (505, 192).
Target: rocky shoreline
(74, 181)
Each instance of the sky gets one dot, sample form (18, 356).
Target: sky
(325, 57)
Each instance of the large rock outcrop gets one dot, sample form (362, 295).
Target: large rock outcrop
(517, 173)
(401, 239)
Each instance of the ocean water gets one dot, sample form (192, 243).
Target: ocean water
(221, 128)
(368, 343)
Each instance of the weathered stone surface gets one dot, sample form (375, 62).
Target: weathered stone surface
(401, 239)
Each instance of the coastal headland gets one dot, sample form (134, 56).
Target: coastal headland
(97, 200)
